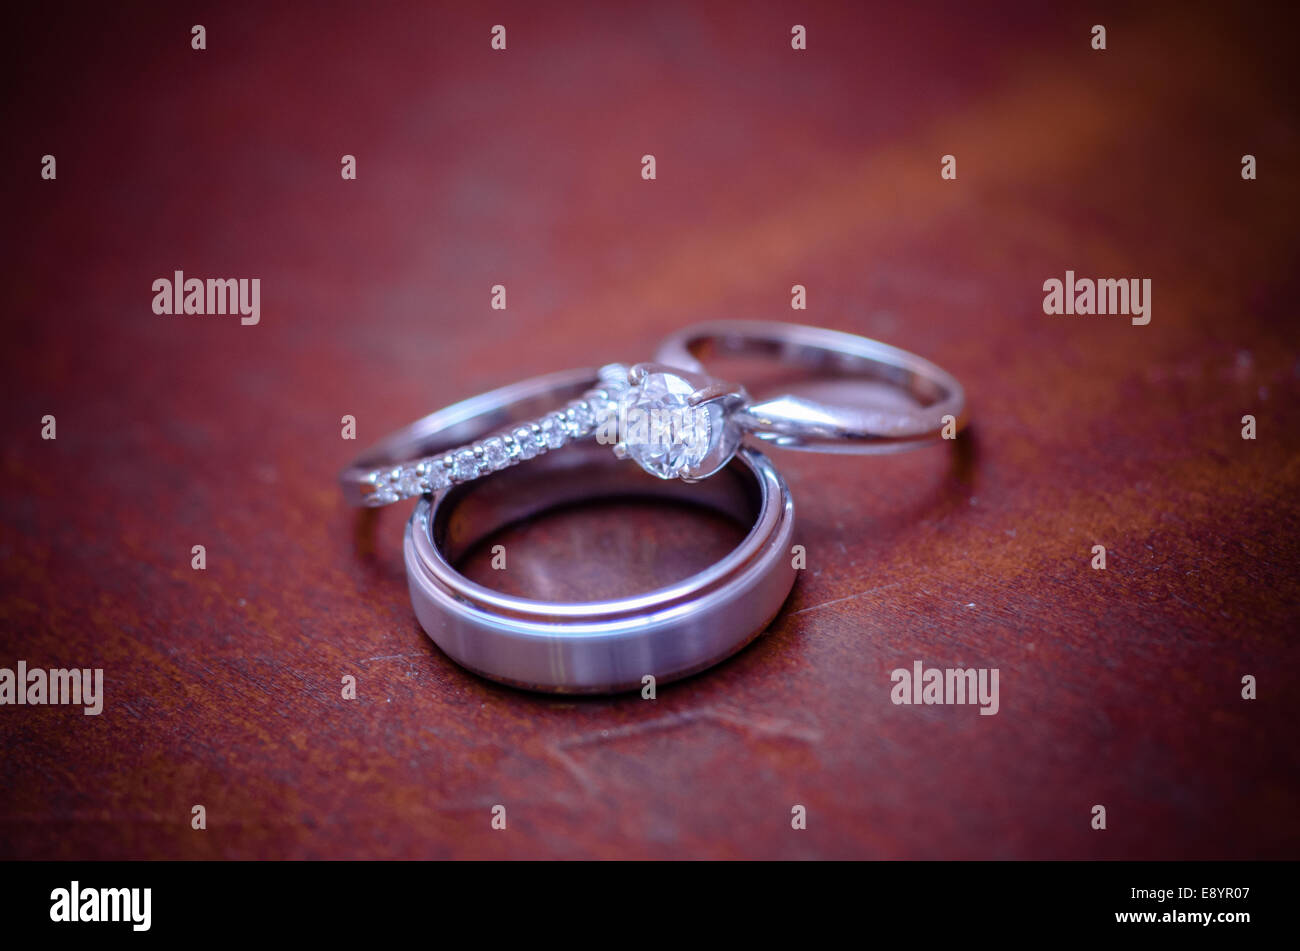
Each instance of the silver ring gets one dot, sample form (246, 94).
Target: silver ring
(932, 402)
(600, 646)
(530, 418)
(675, 423)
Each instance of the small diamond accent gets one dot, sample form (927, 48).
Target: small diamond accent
(590, 413)
(526, 439)
(553, 431)
(380, 492)
(581, 419)
(466, 465)
(438, 478)
(383, 494)
(494, 451)
(603, 407)
(408, 483)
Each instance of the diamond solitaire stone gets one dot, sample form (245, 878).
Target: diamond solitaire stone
(665, 435)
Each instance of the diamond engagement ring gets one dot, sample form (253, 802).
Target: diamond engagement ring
(674, 423)
(677, 421)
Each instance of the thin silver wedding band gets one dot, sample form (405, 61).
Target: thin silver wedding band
(793, 422)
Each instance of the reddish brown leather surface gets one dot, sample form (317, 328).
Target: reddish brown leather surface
(775, 167)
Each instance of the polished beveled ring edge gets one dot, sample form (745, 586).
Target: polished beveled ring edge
(791, 422)
(611, 646)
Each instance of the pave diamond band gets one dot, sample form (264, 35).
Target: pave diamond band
(421, 456)
(578, 420)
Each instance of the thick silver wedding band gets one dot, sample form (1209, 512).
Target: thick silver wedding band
(602, 646)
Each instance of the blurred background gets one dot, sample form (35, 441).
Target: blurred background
(775, 167)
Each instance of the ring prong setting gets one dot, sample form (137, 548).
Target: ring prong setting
(712, 392)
